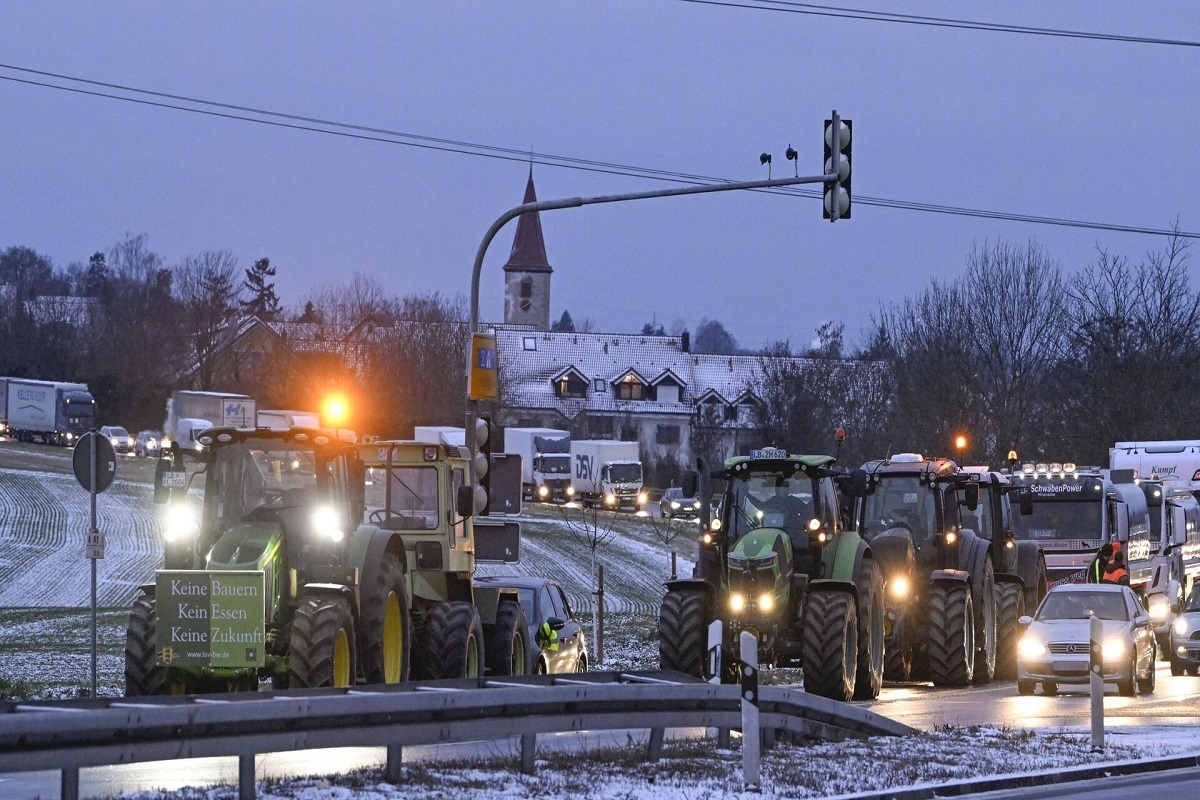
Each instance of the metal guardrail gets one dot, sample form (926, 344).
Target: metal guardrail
(69, 735)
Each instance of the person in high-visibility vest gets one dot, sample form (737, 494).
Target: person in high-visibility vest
(1116, 571)
(547, 637)
(1096, 569)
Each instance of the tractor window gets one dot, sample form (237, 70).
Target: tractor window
(264, 473)
(771, 500)
(981, 520)
(900, 501)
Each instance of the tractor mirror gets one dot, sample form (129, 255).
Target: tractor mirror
(972, 496)
(690, 484)
(1025, 501)
(859, 484)
(465, 501)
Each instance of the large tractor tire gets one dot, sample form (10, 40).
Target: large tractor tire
(683, 621)
(1031, 566)
(322, 647)
(869, 676)
(508, 641)
(1010, 606)
(143, 675)
(453, 641)
(984, 600)
(829, 646)
(951, 634)
(388, 624)
(898, 655)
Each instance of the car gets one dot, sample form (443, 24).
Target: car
(1054, 648)
(544, 600)
(150, 443)
(675, 503)
(121, 441)
(1185, 637)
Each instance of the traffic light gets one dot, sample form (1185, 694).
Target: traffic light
(837, 159)
(483, 465)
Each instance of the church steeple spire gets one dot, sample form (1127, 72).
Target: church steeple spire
(529, 248)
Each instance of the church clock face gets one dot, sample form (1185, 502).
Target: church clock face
(525, 305)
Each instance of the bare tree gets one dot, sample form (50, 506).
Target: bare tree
(591, 528)
(349, 304)
(206, 284)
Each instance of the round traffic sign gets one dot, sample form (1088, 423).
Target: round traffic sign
(106, 461)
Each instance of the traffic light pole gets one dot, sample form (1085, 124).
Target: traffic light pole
(577, 202)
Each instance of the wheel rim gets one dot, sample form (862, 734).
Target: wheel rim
(517, 663)
(341, 658)
(393, 640)
(472, 657)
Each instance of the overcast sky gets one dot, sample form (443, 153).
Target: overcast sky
(1057, 127)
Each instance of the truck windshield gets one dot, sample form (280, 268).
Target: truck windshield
(900, 501)
(770, 500)
(625, 473)
(264, 473)
(554, 465)
(1059, 519)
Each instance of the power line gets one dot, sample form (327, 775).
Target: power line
(279, 119)
(816, 10)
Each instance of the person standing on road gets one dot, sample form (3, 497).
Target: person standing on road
(1096, 569)
(1116, 572)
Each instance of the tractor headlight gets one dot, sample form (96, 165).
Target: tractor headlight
(543, 491)
(706, 538)
(325, 523)
(814, 524)
(1031, 647)
(951, 537)
(570, 491)
(715, 524)
(1114, 649)
(766, 602)
(898, 588)
(1160, 608)
(737, 603)
(181, 522)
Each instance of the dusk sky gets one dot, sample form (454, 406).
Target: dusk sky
(1098, 131)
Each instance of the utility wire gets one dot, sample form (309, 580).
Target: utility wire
(816, 10)
(385, 136)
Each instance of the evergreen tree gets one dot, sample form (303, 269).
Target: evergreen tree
(263, 302)
(564, 325)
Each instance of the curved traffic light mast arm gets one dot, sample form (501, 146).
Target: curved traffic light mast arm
(576, 202)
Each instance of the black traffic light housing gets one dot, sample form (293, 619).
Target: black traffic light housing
(838, 149)
(483, 462)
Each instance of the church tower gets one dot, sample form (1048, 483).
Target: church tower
(527, 273)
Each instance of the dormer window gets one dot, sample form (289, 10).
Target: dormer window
(570, 384)
(630, 388)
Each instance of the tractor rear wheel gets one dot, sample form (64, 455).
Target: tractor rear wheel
(829, 645)
(985, 625)
(683, 621)
(1010, 606)
(508, 641)
(388, 624)
(869, 678)
(322, 648)
(951, 634)
(453, 641)
(143, 675)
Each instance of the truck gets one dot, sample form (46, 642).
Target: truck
(778, 563)
(191, 412)
(1175, 461)
(53, 412)
(1174, 555)
(280, 418)
(440, 434)
(294, 567)
(545, 462)
(608, 472)
(1075, 510)
(940, 580)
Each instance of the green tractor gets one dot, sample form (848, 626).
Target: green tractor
(939, 573)
(276, 576)
(776, 562)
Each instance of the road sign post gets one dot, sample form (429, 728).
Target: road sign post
(94, 463)
(1096, 681)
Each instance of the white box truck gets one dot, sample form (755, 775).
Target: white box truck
(53, 411)
(190, 412)
(287, 418)
(607, 471)
(545, 462)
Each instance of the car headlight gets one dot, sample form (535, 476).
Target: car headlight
(543, 491)
(325, 523)
(1180, 627)
(737, 603)
(1114, 649)
(898, 588)
(674, 504)
(610, 499)
(113, 441)
(766, 602)
(1160, 608)
(570, 491)
(1031, 647)
(181, 522)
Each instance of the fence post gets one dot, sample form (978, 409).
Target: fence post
(528, 752)
(600, 613)
(715, 638)
(751, 744)
(674, 569)
(395, 758)
(70, 783)
(1095, 665)
(654, 749)
(246, 788)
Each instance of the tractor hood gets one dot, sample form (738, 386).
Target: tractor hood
(894, 550)
(248, 545)
(761, 561)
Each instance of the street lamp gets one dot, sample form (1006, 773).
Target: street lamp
(335, 411)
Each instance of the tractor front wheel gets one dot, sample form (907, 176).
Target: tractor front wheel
(453, 641)
(951, 634)
(869, 679)
(321, 651)
(683, 622)
(829, 645)
(143, 674)
(388, 625)
(1010, 607)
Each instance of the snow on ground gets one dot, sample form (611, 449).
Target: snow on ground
(695, 770)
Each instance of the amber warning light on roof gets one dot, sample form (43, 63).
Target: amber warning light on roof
(482, 380)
